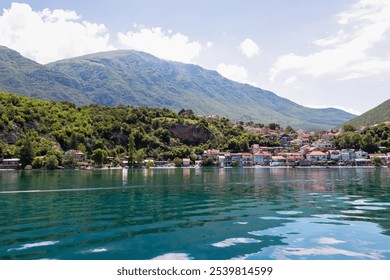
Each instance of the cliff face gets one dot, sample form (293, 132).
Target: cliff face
(191, 134)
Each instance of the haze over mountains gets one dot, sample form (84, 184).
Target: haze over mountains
(140, 79)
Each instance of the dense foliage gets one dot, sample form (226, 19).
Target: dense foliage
(31, 127)
(369, 140)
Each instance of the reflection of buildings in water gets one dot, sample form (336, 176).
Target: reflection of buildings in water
(186, 172)
(124, 176)
(186, 175)
(221, 175)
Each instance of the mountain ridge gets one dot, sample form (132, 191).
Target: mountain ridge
(376, 115)
(140, 79)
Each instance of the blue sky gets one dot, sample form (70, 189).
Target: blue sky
(316, 53)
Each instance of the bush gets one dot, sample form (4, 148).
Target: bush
(150, 163)
(116, 161)
(178, 162)
(38, 163)
(52, 162)
(208, 162)
(376, 161)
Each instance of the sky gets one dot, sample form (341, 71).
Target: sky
(316, 53)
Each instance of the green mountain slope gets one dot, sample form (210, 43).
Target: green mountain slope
(377, 115)
(26, 77)
(140, 79)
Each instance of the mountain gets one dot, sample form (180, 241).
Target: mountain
(27, 77)
(377, 115)
(140, 79)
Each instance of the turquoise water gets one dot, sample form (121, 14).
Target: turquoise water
(258, 213)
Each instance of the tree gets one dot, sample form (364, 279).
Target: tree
(178, 162)
(131, 149)
(116, 161)
(59, 154)
(150, 163)
(38, 163)
(27, 152)
(99, 156)
(348, 128)
(289, 129)
(52, 162)
(139, 156)
(273, 126)
(376, 161)
(208, 162)
(368, 143)
(70, 159)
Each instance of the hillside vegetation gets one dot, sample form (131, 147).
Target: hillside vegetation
(377, 115)
(140, 79)
(47, 128)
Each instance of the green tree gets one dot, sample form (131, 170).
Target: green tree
(98, 156)
(52, 162)
(178, 162)
(368, 143)
(348, 128)
(38, 163)
(139, 156)
(150, 163)
(273, 126)
(70, 159)
(59, 154)
(208, 162)
(116, 161)
(289, 129)
(376, 161)
(27, 152)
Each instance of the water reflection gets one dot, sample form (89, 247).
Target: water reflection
(261, 213)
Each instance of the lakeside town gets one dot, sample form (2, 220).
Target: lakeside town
(297, 149)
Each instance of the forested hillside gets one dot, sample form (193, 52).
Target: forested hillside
(38, 128)
(377, 115)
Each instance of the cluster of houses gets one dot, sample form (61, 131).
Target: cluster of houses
(303, 150)
(297, 151)
(306, 156)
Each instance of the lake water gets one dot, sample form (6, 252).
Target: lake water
(254, 213)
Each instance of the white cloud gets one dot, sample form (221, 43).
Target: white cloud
(168, 46)
(249, 48)
(49, 35)
(234, 73)
(209, 44)
(347, 53)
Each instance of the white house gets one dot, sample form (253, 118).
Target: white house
(11, 163)
(278, 161)
(361, 154)
(317, 156)
(247, 159)
(334, 155)
(186, 162)
(222, 161)
(323, 144)
(262, 158)
(347, 155)
(296, 142)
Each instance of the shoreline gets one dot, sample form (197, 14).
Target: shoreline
(193, 167)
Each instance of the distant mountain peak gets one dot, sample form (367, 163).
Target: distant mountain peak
(137, 78)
